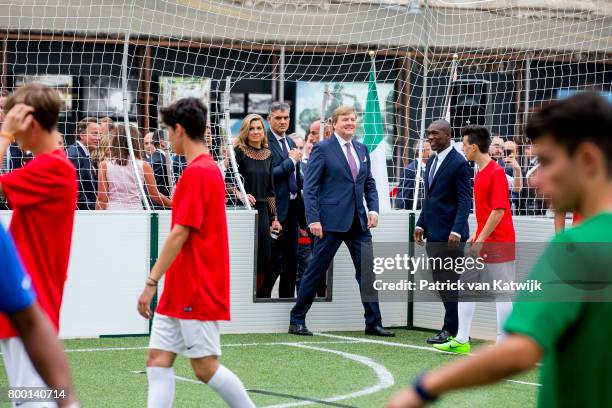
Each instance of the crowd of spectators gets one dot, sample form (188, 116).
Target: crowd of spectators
(110, 174)
(118, 169)
(518, 161)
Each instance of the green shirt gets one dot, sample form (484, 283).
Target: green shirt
(576, 336)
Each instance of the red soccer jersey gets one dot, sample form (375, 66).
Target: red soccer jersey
(43, 196)
(576, 218)
(196, 285)
(491, 192)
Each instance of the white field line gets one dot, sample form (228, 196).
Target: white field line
(92, 350)
(178, 377)
(341, 340)
(383, 342)
(394, 344)
(524, 382)
(190, 380)
(385, 378)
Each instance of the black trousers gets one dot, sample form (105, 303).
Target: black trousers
(359, 244)
(263, 240)
(284, 258)
(304, 258)
(449, 297)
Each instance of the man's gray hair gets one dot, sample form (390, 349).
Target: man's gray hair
(276, 106)
(296, 136)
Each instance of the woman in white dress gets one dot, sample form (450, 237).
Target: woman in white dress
(117, 183)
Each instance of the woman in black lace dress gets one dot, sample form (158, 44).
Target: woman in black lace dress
(254, 161)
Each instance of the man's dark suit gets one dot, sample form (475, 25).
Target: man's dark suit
(305, 251)
(405, 189)
(530, 202)
(16, 160)
(160, 171)
(334, 199)
(285, 248)
(88, 179)
(446, 208)
(179, 162)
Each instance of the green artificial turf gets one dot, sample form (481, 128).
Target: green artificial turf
(109, 378)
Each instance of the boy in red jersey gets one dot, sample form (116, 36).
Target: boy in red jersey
(195, 259)
(560, 220)
(494, 239)
(43, 197)
(564, 333)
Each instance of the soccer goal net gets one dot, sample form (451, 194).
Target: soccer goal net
(400, 63)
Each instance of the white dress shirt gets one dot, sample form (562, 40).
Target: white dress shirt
(84, 148)
(441, 156)
(343, 144)
(6, 166)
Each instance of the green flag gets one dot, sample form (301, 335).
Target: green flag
(374, 139)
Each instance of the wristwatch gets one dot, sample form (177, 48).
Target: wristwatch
(417, 385)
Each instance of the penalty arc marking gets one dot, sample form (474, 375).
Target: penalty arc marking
(384, 377)
(394, 344)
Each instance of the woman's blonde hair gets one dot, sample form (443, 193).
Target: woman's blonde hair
(102, 152)
(243, 136)
(119, 148)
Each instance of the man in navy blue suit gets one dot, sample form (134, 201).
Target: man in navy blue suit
(444, 216)
(286, 160)
(338, 179)
(159, 163)
(79, 154)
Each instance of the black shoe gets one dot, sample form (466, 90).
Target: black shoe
(378, 331)
(439, 338)
(299, 329)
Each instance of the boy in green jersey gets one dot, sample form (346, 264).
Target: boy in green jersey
(570, 327)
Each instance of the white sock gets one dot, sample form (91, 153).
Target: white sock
(503, 310)
(465, 310)
(161, 387)
(230, 388)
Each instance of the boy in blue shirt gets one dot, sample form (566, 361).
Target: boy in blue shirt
(18, 302)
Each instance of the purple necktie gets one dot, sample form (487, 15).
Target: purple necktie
(351, 161)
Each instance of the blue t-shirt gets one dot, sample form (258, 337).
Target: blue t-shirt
(15, 286)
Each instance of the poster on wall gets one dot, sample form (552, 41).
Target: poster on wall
(236, 103)
(63, 84)
(172, 88)
(566, 93)
(310, 95)
(103, 96)
(259, 103)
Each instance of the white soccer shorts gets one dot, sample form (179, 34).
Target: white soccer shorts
(503, 272)
(190, 338)
(20, 371)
